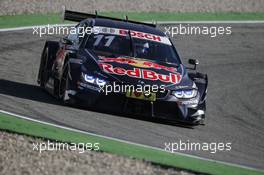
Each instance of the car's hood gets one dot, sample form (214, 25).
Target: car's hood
(137, 71)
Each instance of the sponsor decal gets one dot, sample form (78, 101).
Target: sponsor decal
(134, 34)
(181, 87)
(81, 85)
(190, 102)
(142, 73)
(140, 35)
(138, 63)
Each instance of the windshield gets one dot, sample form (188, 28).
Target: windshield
(117, 45)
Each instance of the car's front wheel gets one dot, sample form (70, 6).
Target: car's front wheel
(43, 76)
(64, 91)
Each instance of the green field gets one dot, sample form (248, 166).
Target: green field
(39, 19)
(22, 126)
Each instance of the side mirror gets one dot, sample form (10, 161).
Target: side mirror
(194, 62)
(66, 40)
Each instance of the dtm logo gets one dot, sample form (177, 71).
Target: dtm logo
(142, 73)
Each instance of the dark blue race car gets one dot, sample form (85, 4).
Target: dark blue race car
(125, 66)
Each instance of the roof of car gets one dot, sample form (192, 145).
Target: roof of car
(127, 25)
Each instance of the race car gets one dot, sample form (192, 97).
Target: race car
(124, 66)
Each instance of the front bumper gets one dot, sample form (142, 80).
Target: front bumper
(166, 106)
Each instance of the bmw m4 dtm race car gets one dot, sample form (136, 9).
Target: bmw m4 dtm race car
(125, 66)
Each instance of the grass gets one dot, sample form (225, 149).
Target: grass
(22, 126)
(40, 19)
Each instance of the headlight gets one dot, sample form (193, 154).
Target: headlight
(185, 93)
(100, 82)
(88, 78)
(93, 79)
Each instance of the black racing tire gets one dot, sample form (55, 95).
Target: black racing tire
(202, 107)
(63, 86)
(43, 76)
(47, 58)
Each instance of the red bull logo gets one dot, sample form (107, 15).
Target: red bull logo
(138, 63)
(173, 78)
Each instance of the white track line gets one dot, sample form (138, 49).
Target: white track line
(128, 142)
(158, 22)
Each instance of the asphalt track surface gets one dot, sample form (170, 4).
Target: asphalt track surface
(235, 66)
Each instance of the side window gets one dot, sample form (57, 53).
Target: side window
(77, 33)
(73, 36)
(81, 32)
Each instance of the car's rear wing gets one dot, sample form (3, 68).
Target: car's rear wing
(78, 16)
